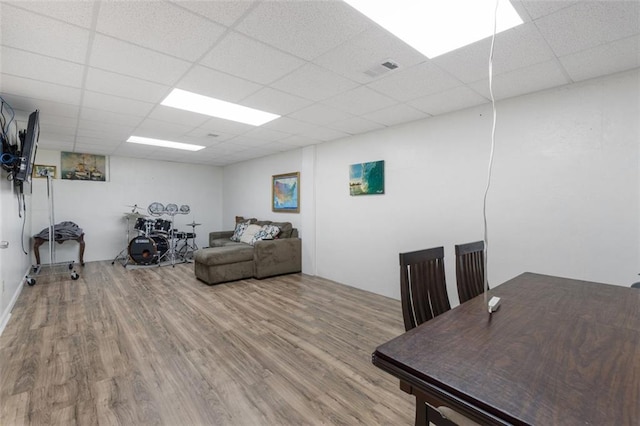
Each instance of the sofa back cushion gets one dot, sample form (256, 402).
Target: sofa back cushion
(285, 229)
(248, 234)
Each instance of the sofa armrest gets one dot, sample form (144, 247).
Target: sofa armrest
(219, 235)
(276, 257)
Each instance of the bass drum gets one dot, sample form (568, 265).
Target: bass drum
(147, 250)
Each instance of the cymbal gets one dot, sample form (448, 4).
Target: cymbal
(134, 207)
(193, 224)
(134, 215)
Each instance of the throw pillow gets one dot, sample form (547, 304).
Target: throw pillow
(240, 228)
(267, 232)
(248, 234)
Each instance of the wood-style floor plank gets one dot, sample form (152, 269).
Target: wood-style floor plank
(155, 346)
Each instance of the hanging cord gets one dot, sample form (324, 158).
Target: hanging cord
(493, 144)
(22, 207)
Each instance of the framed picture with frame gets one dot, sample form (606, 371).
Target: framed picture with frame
(285, 193)
(42, 170)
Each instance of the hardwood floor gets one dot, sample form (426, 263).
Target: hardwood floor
(157, 346)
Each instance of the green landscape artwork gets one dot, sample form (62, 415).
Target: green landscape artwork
(366, 178)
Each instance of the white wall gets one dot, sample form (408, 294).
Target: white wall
(99, 207)
(14, 263)
(247, 188)
(564, 198)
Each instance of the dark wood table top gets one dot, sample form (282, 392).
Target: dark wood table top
(557, 352)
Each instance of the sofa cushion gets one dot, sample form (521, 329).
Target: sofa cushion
(267, 232)
(240, 228)
(242, 219)
(248, 233)
(224, 255)
(285, 229)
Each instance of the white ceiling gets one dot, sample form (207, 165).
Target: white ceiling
(97, 70)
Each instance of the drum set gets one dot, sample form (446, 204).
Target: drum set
(157, 242)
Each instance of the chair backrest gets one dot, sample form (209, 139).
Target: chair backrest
(470, 270)
(423, 288)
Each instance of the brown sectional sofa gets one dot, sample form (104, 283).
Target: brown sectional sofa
(226, 260)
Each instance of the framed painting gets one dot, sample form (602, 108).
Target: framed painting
(366, 178)
(41, 171)
(285, 193)
(76, 166)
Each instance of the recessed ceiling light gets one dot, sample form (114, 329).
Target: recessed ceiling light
(164, 144)
(435, 27)
(194, 102)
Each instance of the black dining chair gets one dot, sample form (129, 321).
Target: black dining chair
(423, 288)
(469, 270)
(423, 294)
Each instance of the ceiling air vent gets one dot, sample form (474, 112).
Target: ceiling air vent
(383, 68)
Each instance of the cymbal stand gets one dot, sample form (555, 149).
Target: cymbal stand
(187, 250)
(123, 256)
(171, 252)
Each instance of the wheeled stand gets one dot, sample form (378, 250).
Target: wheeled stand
(52, 268)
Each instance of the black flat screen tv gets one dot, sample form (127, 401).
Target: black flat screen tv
(29, 148)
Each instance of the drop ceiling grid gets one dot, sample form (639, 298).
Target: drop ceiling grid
(310, 71)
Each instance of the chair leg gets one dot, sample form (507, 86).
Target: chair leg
(426, 414)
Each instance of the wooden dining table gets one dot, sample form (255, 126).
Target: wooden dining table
(558, 351)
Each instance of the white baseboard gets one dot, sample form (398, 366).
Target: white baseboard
(4, 319)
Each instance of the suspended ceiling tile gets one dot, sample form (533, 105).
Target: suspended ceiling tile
(314, 82)
(411, 83)
(300, 141)
(117, 104)
(588, 24)
(605, 59)
(356, 125)
(266, 134)
(320, 114)
(108, 117)
(526, 80)
(366, 50)
(135, 61)
(25, 87)
(46, 36)
(30, 65)
(449, 100)
(179, 116)
(396, 114)
(162, 130)
(125, 86)
(216, 84)
(539, 8)
(216, 125)
(306, 29)
(48, 109)
(164, 27)
(73, 12)
(243, 57)
(275, 101)
(222, 11)
(513, 49)
(359, 101)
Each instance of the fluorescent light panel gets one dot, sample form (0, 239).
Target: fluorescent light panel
(194, 102)
(164, 144)
(435, 27)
